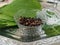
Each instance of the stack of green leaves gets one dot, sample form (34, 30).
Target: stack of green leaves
(7, 12)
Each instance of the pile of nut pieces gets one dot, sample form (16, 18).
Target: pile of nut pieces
(28, 21)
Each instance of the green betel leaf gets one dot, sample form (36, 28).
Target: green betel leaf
(50, 13)
(8, 12)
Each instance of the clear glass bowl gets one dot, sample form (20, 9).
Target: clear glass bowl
(31, 32)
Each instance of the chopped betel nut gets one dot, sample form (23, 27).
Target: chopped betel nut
(5, 2)
(27, 21)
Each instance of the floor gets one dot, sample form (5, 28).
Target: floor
(56, 43)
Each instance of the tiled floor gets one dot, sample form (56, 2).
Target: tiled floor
(56, 43)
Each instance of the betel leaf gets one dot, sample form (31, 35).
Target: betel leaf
(50, 13)
(26, 13)
(51, 30)
(8, 12)
(6, 22)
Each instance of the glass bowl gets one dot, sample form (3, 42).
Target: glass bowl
(30, 23)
